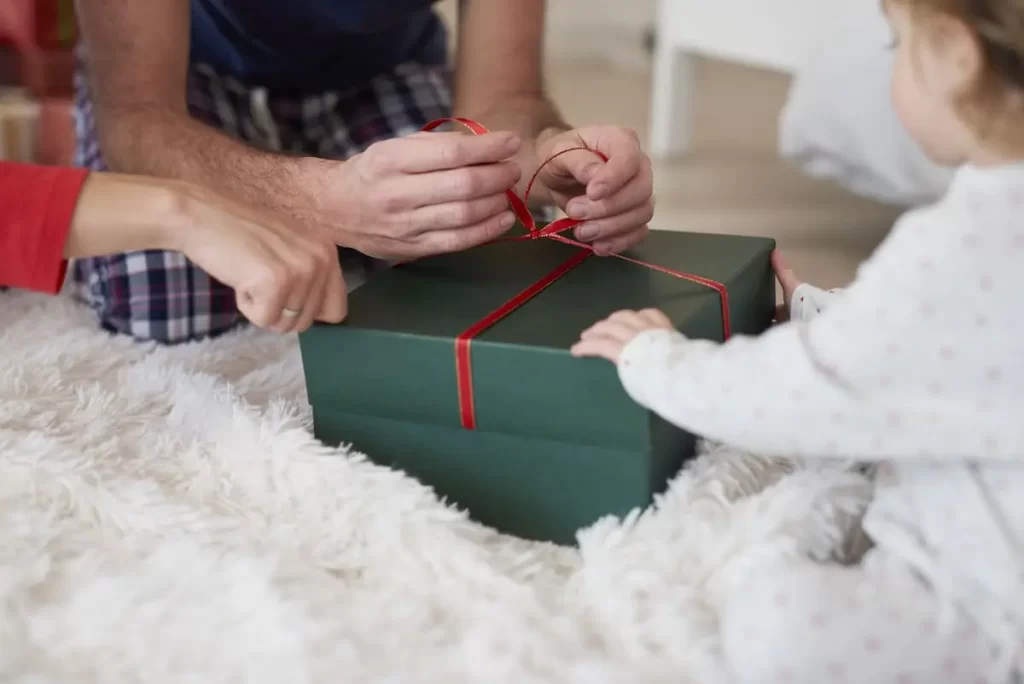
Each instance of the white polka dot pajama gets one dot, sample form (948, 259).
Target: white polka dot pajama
(917, 366)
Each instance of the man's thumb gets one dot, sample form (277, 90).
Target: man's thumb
(588, 170)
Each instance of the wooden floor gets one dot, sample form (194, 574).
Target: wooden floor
(733, 181)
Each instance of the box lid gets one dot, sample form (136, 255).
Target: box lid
(394, 356)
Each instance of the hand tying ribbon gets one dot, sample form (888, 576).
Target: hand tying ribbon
(552, 231)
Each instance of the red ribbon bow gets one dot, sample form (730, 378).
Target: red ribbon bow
(552, 231)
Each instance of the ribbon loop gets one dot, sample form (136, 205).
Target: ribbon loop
(552, 231)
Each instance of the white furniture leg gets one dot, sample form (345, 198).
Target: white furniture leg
(672, 103)
(772, 34)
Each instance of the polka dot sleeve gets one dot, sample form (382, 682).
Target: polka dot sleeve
(908, 363)
(808, 301)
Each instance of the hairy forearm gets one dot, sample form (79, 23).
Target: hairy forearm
(499, 74)
(138, 56)
(533, 117)
(168, 144)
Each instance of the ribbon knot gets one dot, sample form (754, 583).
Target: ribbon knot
(552, 231)
(519, 205)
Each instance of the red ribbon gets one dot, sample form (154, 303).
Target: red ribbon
(552, 231)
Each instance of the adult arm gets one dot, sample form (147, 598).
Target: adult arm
(401, 199)
(499, 82)
(52, 214)
(499, 77)
(138, 66)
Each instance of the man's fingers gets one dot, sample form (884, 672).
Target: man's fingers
(573, 160)
(586, 172)
(621, 243)
(607, 229)
(625, 161)
(636, 193)
(455, 214)
(465, 183)
(458, 239)
(440, 151)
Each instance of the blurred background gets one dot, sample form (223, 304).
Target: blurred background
(754, 110)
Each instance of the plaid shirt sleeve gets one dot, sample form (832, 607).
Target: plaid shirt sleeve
(164, 297)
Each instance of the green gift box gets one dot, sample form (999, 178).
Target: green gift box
(556, 443)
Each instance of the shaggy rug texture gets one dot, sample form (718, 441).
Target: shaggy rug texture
(167, 516)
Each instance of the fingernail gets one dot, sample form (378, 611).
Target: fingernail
(513, 144)
(578, 209)
(507, 219)
(586, 233)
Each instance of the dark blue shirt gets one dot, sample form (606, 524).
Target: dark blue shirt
(314, 45)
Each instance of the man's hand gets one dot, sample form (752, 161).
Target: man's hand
(614, 197)
(609, 337)
(424, 194)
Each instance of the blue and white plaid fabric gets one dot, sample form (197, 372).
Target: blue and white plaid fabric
(155, 295)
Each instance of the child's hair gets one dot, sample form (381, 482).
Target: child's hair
(998, 26)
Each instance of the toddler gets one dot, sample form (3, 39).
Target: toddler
(919, 364)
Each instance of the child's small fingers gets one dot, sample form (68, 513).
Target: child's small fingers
(787, 278)
(778, 261)
(585, 348)
(656, 318)
(631, 319)
(601, 348)
(593, 331)
(616, 330)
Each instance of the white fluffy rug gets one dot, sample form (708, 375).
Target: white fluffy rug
(166, 516)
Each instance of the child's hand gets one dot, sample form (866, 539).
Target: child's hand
(789, 283)
(608, 338)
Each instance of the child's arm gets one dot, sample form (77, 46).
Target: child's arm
(801, 301)
(765, 394)
(872, 376)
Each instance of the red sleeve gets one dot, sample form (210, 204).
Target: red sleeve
(37, 204)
